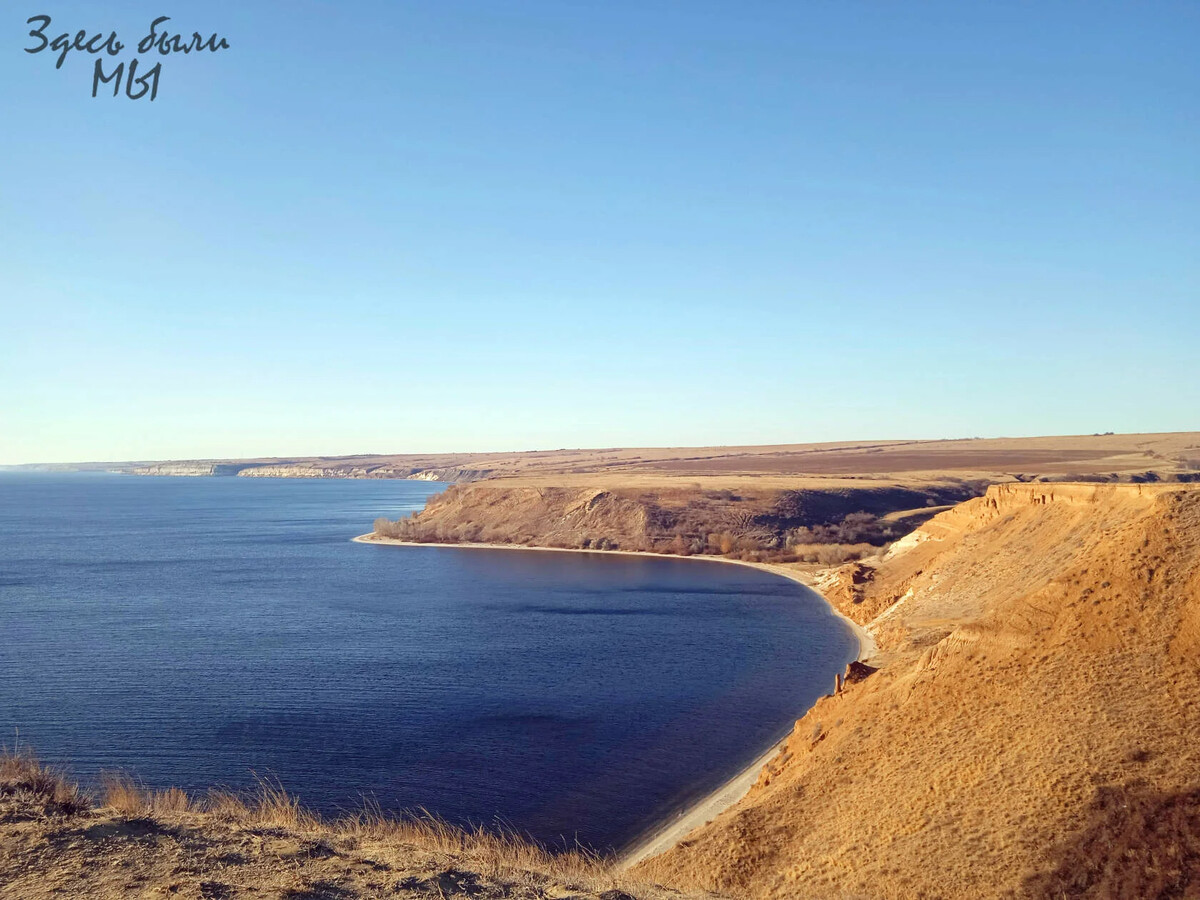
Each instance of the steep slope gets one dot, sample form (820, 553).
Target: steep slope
(1034, 728)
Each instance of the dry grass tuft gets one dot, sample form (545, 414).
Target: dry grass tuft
(120, 792)
(123, 794)
(171, 802)
(269, 806)
(22, 774)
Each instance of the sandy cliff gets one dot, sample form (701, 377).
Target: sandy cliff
(1034, 728)
(352, 470)
(199, 469)
(310, 469)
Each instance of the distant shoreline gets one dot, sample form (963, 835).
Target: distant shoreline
(669, 832)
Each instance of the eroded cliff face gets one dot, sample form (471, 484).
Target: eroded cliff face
(412, 473)
(1033, 730)
(193, 469)
(421, 469)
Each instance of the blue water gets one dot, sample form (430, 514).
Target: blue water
(193, 631)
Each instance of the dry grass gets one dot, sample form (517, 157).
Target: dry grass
(492, 852)
(268, 805)
(497, 854)
(121, 793)
(23, 776)
(488, 863)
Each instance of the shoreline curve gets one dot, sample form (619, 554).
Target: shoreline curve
(667, 833)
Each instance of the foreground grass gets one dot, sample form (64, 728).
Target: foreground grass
(56, 840)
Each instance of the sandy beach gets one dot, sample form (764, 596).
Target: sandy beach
(671, 831)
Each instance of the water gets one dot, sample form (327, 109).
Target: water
(196, 631)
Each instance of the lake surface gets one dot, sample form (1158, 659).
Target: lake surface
(193, 631)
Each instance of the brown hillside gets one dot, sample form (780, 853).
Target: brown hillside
(670, 517)
(1034, 728)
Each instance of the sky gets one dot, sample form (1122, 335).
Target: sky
(465, 226)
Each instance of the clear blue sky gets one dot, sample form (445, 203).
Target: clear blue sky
(389, 227)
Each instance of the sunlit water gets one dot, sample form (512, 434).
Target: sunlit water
(196, 631)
